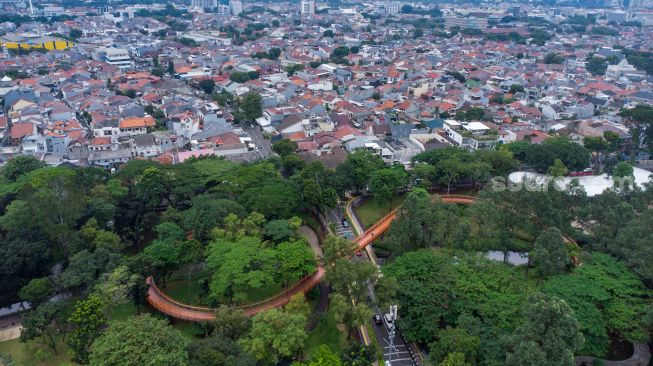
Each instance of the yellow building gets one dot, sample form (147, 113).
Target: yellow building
(26, 42)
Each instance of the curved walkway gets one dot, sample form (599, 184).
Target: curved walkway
(163, 303)
(641, 357)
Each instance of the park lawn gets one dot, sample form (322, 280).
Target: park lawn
(310, 221)
(179, 290)
(371, 210)
(326, 332)
(260, 294)
(34, 353)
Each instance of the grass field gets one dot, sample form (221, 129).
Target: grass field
(180, 291)
(327, 333)
(34, 353)
(371, 210)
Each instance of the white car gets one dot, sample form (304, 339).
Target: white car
(389, 322)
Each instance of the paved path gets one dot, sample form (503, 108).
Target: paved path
(641, 357)
(163, 303)
(10, 333)
(10, 327)
(311, 237)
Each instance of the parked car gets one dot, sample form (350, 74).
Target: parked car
(388, 321)
(377, 319)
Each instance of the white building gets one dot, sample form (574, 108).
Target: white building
(236, 7)
(224, 10)
(471, 135)
(393, 8)
(113, 56)
(465, 22)
(622, 68)
(204, 3)
(308, 7)
(53, 11)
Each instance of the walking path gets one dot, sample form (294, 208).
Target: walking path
(163, 303)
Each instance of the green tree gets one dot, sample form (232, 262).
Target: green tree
(598, 145)
(37, 291)
(423, 223)
(152, 187)
(550, 255)
(454, 359)
(75, 34)
(171, 68)
(207, 213)
(207, 86)
(549, 334)
(328, 33)
(324, 356)
(237, 266)
(87, 320)
(425, 175)
(39, 322)
(21, 165)
(336, 247)
(218, 351)
(358, 355)
(276, 199)
(123, 344)
(115, 288)
(632, 244)
(6, 360)
(278, 231)
(284, 147)
(450, 171)
(516, 88)
(165, 256)
(553, 58)
(223, 98)
(558, 169)
(385, 182)
(230, 323)
(640, 125)
(350, 314)
(251, 106)
(606, 298)
(454, 340)
(355, 172)
(296, 260)
(278, 333)
(623, 169)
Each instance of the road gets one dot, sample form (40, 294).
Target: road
(401, 354)
(263, 144)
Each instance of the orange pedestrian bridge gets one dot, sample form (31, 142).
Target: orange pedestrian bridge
(165, 304)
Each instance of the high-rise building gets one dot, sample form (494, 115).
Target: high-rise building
(393, 8)
(308, 7)
(224, 10)
(204, 3)
(469, 22)
(236, 7)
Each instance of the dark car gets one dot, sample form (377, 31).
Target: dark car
(377, 319)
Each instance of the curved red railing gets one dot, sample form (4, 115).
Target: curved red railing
(163, 303)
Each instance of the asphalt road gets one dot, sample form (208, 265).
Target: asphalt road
(400, 355)
(263, 144)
